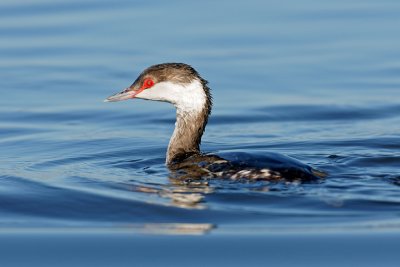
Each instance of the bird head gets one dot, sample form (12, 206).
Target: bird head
(176, 83)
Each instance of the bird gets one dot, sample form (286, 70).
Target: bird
(181, 85)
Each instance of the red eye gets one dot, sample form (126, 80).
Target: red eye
(148, 83)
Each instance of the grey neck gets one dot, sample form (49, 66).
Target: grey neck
(186, 139)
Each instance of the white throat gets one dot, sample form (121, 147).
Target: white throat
(190, 101)
(185, 97)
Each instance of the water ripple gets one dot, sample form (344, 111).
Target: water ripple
(314, 81)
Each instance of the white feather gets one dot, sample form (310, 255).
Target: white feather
(185, 97)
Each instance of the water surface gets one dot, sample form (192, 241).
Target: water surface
(317, 81)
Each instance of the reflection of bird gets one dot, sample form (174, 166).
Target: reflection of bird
(181, 85)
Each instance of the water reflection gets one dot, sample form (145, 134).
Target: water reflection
(149, 228)
(189, 192)
(180, 193)
(178, 228)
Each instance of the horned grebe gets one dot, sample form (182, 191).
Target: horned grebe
(181, 85)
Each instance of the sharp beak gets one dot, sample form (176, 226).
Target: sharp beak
(128, 93)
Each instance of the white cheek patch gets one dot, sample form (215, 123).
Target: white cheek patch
(188, 97)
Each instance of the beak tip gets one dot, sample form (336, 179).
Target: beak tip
(125, 94)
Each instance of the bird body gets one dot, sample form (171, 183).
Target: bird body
(182, 86)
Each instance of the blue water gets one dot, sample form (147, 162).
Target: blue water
(315, 80)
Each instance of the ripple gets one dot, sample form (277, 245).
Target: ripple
(50, 8)
(377, 161)
(303, 87)
(309, 113)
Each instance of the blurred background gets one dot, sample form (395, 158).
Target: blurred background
(288, 51)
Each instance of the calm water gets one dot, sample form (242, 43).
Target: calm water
(315, 80)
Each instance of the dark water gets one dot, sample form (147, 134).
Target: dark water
(316, 80)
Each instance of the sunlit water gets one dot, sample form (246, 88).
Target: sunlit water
(315, 80)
